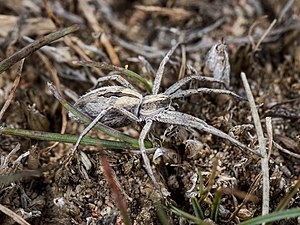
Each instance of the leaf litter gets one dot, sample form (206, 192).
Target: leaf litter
(120, 33)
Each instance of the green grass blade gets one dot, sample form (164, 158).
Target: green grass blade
(215, 206)
(201, 184)
(288, 197)
(162, 216)
(290, 213)
(186, 215)
(197, 209)
(129, 73)
(64, 138)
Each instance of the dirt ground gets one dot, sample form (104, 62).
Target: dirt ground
(262, 40)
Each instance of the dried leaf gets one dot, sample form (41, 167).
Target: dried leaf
(33, 26)
(218, 63)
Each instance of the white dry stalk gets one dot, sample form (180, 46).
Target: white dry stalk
(217, 62)
(270, 134)
(262, 146)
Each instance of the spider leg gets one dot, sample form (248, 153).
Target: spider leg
(185, 93)
(88, 128)
(161, 68)
(142, 138)
(183, 119)
(114, 77)
(97, 119)
(175, 87)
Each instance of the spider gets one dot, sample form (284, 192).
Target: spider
(120, 105)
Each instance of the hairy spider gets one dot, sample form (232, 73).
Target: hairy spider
(118, 106)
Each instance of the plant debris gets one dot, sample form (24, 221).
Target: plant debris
(205, 175)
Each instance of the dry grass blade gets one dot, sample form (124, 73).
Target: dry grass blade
(183, 62)
(286, 151)
(240, 194)
(173, 13)
(29, 49)
(13, 215)
(251, 29)
(13, 89)
(262, 146)
(265, 35)
(105, 41)
(114, 187)
(285, 9)
(284, 202)
(247, 197)
(6, 179)
(53, 73)
(211, 179)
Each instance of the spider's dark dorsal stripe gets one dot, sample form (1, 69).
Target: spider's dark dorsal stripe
(95, 101)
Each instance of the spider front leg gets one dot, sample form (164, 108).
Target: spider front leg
(185, 93)
(175, 87)
(177, 118)
(161, 68)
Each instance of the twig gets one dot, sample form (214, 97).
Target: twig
(286, 151)
(191, 35)
(10, 154)
(251, 29)
(29, 49)
(247, 197)
(147, 65)
(110, 49)
(262, 146)
(144, 50)
(13, 89)
(284, 10)
(274, 35)
(265, 34)
(13, 215)
(106, 10)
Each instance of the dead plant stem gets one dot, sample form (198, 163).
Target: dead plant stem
(262, 146)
